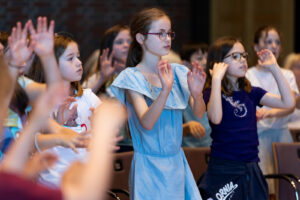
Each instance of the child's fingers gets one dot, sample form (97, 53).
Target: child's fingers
(118, 138)
(72, 146)
(51, 27)
(19, 30)
(31, 28)
(44, 26)
(39, 24)
(111, 55)
(25, 31)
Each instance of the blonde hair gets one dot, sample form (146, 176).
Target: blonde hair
(291, 60)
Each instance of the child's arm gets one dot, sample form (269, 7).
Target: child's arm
(19, 49)
(106, 70)
(6, 91)
(274, 112)
(149, 115)
(90, 180)
(68, 139)
(286, 98)
(42, 43)
(18, 153)
(214, 106)
(194, 128)
(43, 38)
(196, 81)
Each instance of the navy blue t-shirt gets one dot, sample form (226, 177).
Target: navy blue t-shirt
(235, 138)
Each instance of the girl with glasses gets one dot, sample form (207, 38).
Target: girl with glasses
(233, 170)
(156, 93)
(272, 123)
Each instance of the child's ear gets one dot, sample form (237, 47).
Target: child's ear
(140, 38)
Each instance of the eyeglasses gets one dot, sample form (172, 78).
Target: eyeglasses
(238, 56)
(163, 35)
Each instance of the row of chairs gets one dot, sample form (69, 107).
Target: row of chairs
(287, 168)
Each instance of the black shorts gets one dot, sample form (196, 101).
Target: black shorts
(233, 180)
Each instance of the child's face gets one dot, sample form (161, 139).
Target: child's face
(157, 45)
(200, 57)
(69, 63)
(121, 45)
(237, 61)
(269, 41)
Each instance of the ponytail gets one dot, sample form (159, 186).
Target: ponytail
(135, 54)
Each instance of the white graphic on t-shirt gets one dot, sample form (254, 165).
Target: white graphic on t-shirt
(226, 191)
(240, 108)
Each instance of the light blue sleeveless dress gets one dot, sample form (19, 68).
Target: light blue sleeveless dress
(159, 168)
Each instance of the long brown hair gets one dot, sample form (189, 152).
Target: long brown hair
(36, 71)
(216, 53)
(141, 23)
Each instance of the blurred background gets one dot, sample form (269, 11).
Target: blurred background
(193, 20)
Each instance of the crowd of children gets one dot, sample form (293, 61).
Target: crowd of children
(58, 136)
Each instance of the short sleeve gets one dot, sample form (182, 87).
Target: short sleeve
(289, 75)
(91, 98)
(257, 94)
(206, 95)
(24, 81)
(132, 79)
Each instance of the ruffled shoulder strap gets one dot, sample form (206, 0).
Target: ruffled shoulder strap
(132, 79)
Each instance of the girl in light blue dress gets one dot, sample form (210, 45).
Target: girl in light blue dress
(155, 94)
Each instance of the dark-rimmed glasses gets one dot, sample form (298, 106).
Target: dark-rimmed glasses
(238, 56)
(163, 35)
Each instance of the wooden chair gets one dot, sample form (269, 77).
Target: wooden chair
(287, 165)
(120, 177)
(197, 159)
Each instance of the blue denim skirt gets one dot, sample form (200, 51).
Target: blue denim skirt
(230, 180)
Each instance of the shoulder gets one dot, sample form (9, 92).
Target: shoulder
(287, 73)
(90, 96)
(257, 90)
(252, 71)
(24, 81)
(179, 68)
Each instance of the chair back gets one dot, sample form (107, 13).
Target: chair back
(197, 159)
(120, 174)
(287, 161)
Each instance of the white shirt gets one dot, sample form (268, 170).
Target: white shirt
(66, 156)
(264, 79)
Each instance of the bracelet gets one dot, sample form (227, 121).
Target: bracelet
(36, 143)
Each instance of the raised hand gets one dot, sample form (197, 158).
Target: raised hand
(66, 115)
(43, 36)
(266, 59)
(219, 70)
(196, 80)
(107, 68)
(165, 74)
(19, 48)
